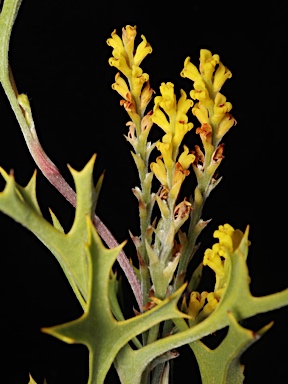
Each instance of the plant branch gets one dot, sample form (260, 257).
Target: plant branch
(47, 167)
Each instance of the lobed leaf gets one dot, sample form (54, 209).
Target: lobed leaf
(97, 328)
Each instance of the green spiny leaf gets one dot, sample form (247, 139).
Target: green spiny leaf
(21, 204)
(97, 328)
(224, 361)
(237, 300)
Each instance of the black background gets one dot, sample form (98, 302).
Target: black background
(59, 57)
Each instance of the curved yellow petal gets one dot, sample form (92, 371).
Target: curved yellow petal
(190, 71)
(143, 49)
(159, 171)
(221, 75)
(208, 63)
(186, 158)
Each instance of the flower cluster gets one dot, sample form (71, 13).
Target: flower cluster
(202, 304)
(215, 258)
(212, 110)
(171, 116)
(128, 63)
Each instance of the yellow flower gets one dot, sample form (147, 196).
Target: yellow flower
(178, 120)
(221, 107)
(213, 299)
(159, 171)
(221, 75)
(116, 43)
(181, 171)
(125, 60)
(208, 63)
(175, 124)
(160, 118)
(190, 71)
(142, 51)
(182, 126)
(181, 130)
(200, 92)
(137, 80)
(181, 167)
(196, 303)
(186, 158)
(120, 63)
(225, 124)
(167, 100)
(201, 112)
(128, 38)
(183, 104)
(212, 258)
(228, 236)
(166, 149)
(229, 240)
(121, 87)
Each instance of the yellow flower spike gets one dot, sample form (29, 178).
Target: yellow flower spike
(229, 240)
(186, 158)
(225, 124)
(221, 107)
(190, 71)
(160, 118)
(128, 38)
(121, 87)
(159, 171)
(182, 126)
(208, 63)
(221, 75)
(143, 49)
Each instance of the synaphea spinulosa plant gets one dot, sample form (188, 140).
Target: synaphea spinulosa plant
(170, 310)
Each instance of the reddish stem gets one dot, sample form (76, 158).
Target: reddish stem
(53, 175)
